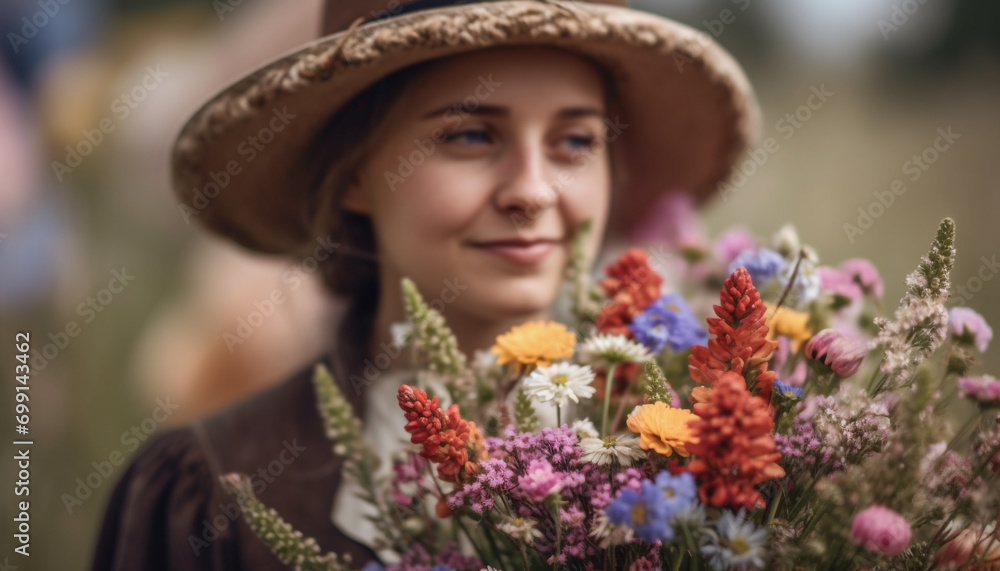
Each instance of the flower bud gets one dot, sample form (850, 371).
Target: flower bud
(840, 351)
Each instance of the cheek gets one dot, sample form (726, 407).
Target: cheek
(588, 197)
(434, 204)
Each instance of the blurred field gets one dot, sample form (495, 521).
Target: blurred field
(63, 235)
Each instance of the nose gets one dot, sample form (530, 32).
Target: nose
(524, 189)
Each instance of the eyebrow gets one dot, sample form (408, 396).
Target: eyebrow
(499, 111)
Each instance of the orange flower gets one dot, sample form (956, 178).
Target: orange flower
(454, 444)
(632, 285)
(740, 344)
(662, 428)
(534, 344)
(734, 449)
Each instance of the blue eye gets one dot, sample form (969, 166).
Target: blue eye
(471, 136)
(581, 142)
(580, 146)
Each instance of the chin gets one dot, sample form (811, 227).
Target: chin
(514, 298)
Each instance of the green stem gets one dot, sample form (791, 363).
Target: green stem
(558, 416)
(555, 559)
(608, 381)
(962, 431)
(493, 545)
(457, 517)
(618, 415)
(791, 280)
(677, 562)
(773, 508)
(465, 530)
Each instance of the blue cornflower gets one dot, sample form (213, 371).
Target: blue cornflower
(644, 511)
(440, 567)
(787, 391)
(679, 491)
(762, 263)
(668, 321)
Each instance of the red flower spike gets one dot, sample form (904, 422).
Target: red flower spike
(447, 439)
(740, 339)
(632, 285)
(734, 451)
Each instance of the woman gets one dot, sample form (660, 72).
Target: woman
(457, 145)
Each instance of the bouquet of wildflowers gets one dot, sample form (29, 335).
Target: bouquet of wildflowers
(796, 427)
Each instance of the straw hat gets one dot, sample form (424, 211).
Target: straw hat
(689, 109)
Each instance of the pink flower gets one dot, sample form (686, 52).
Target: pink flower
(798, 376)
(881, 531)
(970, 328)
(841, 351)
(984, 389)
(733, 243)
(540, 480)
(673, 220)
(864, 273)
(841, 284)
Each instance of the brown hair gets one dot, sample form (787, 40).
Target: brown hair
(344, 143)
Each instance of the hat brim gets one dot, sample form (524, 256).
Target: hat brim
(688, 108)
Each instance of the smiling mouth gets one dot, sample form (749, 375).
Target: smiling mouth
(519, 252)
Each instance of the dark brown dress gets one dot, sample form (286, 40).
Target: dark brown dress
(169, 512)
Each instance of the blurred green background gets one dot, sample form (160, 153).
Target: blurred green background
(894, 73)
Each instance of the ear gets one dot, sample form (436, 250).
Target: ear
(355, 198)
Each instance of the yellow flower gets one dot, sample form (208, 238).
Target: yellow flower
(662, 428)
(790, 323)
(534, 344)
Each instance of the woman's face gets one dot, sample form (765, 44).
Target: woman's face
(486, 167)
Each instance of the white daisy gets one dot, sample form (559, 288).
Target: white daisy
(624, 450)
(585, 429)
(608, 534)
(735, 543)
(604, 349)
(521, 529)
(560, 382)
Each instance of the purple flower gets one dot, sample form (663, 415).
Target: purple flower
(985, 389)
(733, 243)
(787, 391)
(668, 321)
(410, 470)
(762, 263)
(968, 327)
(864, 274)
(838, 350)
(540, 481)
(644, 511)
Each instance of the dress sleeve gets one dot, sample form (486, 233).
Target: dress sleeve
(167, 513)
